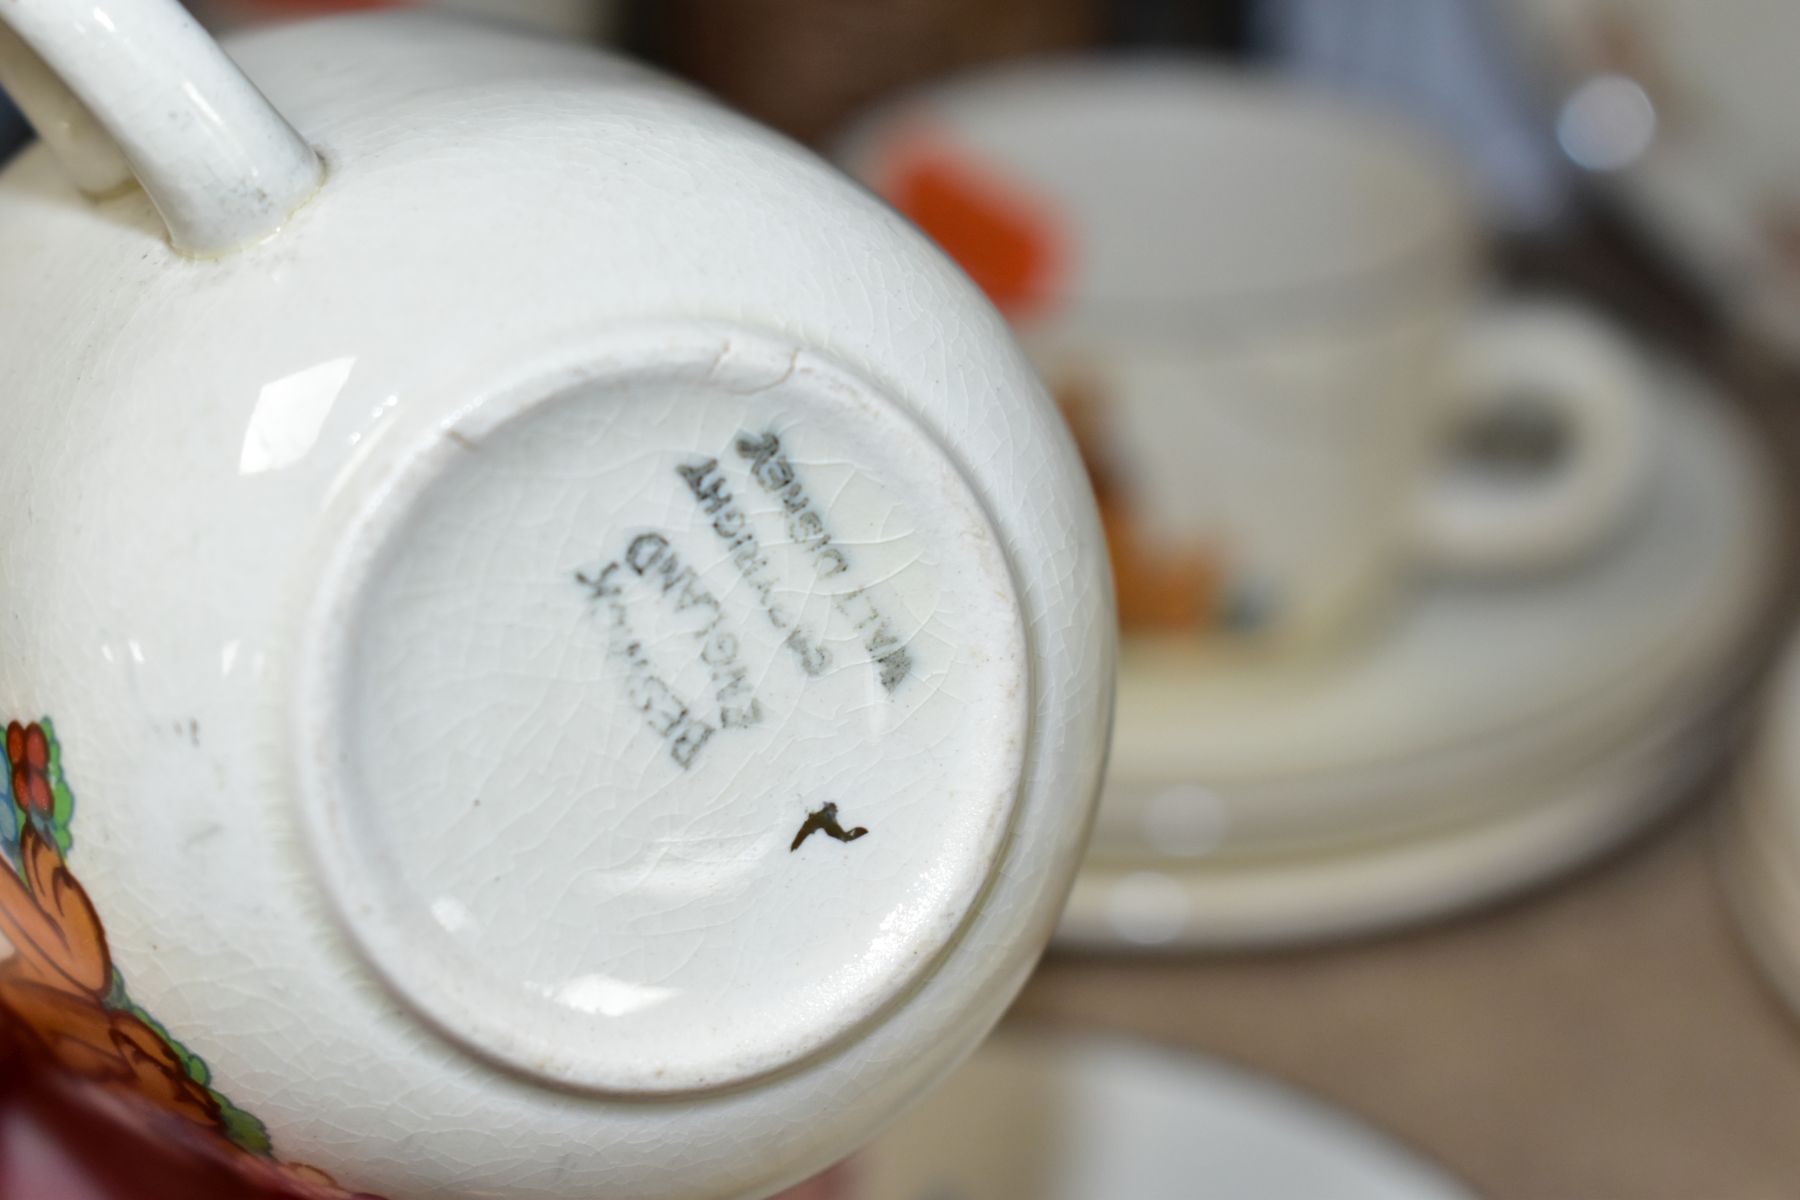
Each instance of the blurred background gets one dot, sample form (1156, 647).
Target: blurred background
(1433, 362)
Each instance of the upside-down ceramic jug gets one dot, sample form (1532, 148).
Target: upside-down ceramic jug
(549, 645)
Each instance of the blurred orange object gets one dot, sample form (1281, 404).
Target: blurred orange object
(1004, 238)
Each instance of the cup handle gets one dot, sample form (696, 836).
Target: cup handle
(1594, 438)
(220, 164)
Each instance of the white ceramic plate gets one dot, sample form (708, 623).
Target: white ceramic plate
(1468, 686)
(1760, 837)
(1706, 91)
(1039, 1116)
(1171, 904)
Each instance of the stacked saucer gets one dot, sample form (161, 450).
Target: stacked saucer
(1761, 843)
(1489, 736)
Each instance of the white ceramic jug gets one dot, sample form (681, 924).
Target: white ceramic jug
(549, 645)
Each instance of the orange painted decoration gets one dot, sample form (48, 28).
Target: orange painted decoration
(1158, 588)
(67, 1020)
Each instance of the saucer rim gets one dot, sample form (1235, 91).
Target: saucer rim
(1075, 1057)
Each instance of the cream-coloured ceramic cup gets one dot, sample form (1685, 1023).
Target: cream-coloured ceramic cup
(1257, 307)
(549, 645)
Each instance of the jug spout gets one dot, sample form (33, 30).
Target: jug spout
(138, 85)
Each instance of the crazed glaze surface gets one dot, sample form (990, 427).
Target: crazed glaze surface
(190, 447)
(707, 597)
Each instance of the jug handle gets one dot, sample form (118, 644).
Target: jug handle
(123, 88)
(87, 152)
